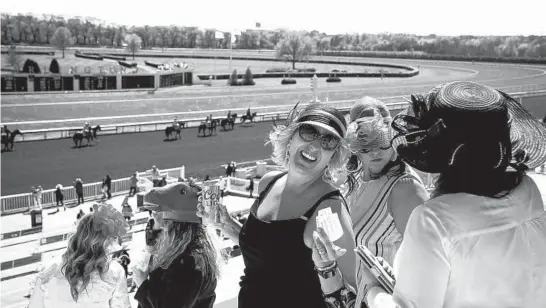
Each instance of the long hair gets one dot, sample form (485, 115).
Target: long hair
(281, 136)
(179, 238)
(85, 254)
(355, 174)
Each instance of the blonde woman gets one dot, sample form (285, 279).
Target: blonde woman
(86, 276)
(282, 267)
(382, 191)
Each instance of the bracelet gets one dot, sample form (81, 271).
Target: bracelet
(327, 267)
(328, 271)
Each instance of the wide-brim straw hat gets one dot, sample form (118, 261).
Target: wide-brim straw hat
(489, 127)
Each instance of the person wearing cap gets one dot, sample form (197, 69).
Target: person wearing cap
(87, 274)
(480, 241)
(283, 267)
(184, 268)
(381, 190)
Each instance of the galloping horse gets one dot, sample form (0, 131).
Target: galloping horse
(207, 126)
(230, 122)
(176, 129)
(8, 139)
(90, 135)
(246, 117)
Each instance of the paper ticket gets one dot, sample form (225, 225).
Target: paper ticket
(329, 222)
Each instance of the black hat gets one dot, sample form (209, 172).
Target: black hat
(468, 119)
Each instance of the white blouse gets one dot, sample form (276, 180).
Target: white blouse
(52, 290)
(462, 250)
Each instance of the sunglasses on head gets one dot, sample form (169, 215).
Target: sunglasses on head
(309, 133)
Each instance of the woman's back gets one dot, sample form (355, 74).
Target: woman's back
(107, 292)
(493, 249)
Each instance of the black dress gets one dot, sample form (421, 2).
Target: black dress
(279, 270)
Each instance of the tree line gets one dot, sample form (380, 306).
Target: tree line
(39, 30)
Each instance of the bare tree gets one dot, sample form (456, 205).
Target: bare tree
(133, 43)
(295, 47)
(62, 39)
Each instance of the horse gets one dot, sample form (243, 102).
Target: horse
(230, 122)
(204, 126)
(250, 118)
(8, 140)
(90, 135)
(176, 129)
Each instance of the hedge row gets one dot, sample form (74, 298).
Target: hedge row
(333, 79)
(89, 56)
(432, 57)
(288, 81)
(127, 64)
(289, 70)
(320, 75)
(46, 53)
(114, 57)
(152, 64)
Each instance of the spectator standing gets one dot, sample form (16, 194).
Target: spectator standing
(37, 196)
(78, 185)
(156, 176)
(222, 183)
(107, 183)
(126, 210)
(229, 169)
(250, 186)
(59, 197)
(134, 183)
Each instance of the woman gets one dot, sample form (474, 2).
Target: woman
(481, 240)
(381, 190)
(87, 276)
(277, 239)
(184, 269)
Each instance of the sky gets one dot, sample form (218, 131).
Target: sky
(422, 17)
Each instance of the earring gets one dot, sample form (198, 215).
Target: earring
(287, 154)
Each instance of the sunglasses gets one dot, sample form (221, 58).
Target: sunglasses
(375, 150)
(309, 133)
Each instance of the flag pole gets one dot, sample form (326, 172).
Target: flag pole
(230, 49)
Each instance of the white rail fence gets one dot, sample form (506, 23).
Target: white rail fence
(91, 191)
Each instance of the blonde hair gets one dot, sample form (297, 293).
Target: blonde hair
(281, 135)
(85, 254)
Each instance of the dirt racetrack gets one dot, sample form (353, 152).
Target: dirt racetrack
(48, 163)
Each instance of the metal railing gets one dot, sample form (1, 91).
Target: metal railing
(23, 202)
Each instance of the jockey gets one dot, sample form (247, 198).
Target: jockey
(5, 130)
(210, 117)
(248, 112)
(175, 122)
(229, 114)
(86, 128)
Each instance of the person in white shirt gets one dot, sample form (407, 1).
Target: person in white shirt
(480, 241)
(87, 275)
(156, 176)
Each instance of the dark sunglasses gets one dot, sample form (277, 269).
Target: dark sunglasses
(309, 133)
(366, 151)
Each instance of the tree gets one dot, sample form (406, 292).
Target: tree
(133, 43)
(31, 67)
(14, 59)
(247, 78)
(54, 67)
(62, 38)
(233, 78)
(295, 47)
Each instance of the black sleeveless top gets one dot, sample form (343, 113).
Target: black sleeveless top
(279, 270)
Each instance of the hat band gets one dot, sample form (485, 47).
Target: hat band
(324, 118)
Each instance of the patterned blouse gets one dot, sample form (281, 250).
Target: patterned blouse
(373, 223)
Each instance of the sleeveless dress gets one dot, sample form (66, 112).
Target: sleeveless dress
(373, 223)
(279, 270)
